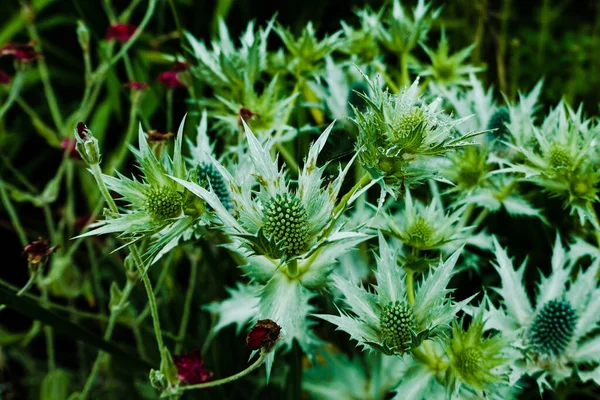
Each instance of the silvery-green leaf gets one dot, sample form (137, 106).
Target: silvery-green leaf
(238, 309)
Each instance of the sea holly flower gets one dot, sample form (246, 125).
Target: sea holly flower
(361, 44)
(422, 227)
(155, 202)
(228, 67)
(267, 111)
(366, 376)
(120, 32)
(555, 334)
(306, 50)
(386, 320)
(400, 33)
(400, 137)
(290, 238)
(562, 161)
(477, 363)
(522, 117)
(447, 69)
(190, 368)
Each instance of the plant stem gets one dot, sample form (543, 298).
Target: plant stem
(231, 378)
(121, 153)
(28, 285)
(97, 172)
(112, 321)
(14, 217)
(410, 287)
(43, 69)
(288, 157)
(151, 298)
(404, 78)
(189, 295)
(170, 109)
(15, 89)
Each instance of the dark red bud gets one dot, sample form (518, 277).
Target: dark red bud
(263, 334)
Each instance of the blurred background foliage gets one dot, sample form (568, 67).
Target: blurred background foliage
(516, 41)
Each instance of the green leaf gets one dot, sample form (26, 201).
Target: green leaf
(63, 325)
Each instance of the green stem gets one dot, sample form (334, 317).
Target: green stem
(14, 217)
(292, 268)
(112, 321)
(15, 89)
(229, 379)
(48, 332)
(121, 153)
(410, 288)
(187, 306)
(97, 172)
(404, 78)
(464, 219)
(151, 298)
(484, 213)
(28, 285)
(103, 69)
(45, 76)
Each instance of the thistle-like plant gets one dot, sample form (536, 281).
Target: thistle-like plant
(395, 318)
(361, 44)
(307, 51)
(228, 67)
(154, 203)
(557, 334)
(265, 113)
(477, 363)
(290, 238)
(400, 33)
(401, 136)
(562, 161)
(446, 69)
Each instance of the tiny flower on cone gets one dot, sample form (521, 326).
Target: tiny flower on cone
(190, 368)
(263, 334)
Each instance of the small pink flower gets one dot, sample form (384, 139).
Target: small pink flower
(4, 78)
(68, 146)
(136, 85)
(190, 368)
(120, 32)
(170, 80)
(22, 52)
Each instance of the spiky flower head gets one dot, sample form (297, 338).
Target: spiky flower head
(264, 112)
(400, 136)
(306, 50)
(423, 227)
(400, 33)
(446, 69)
(153, 203)
(289, 236)
(386, 320)
(555, 333)
(563, 161)
(361, 44)
(476, 361)
(228, 67)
